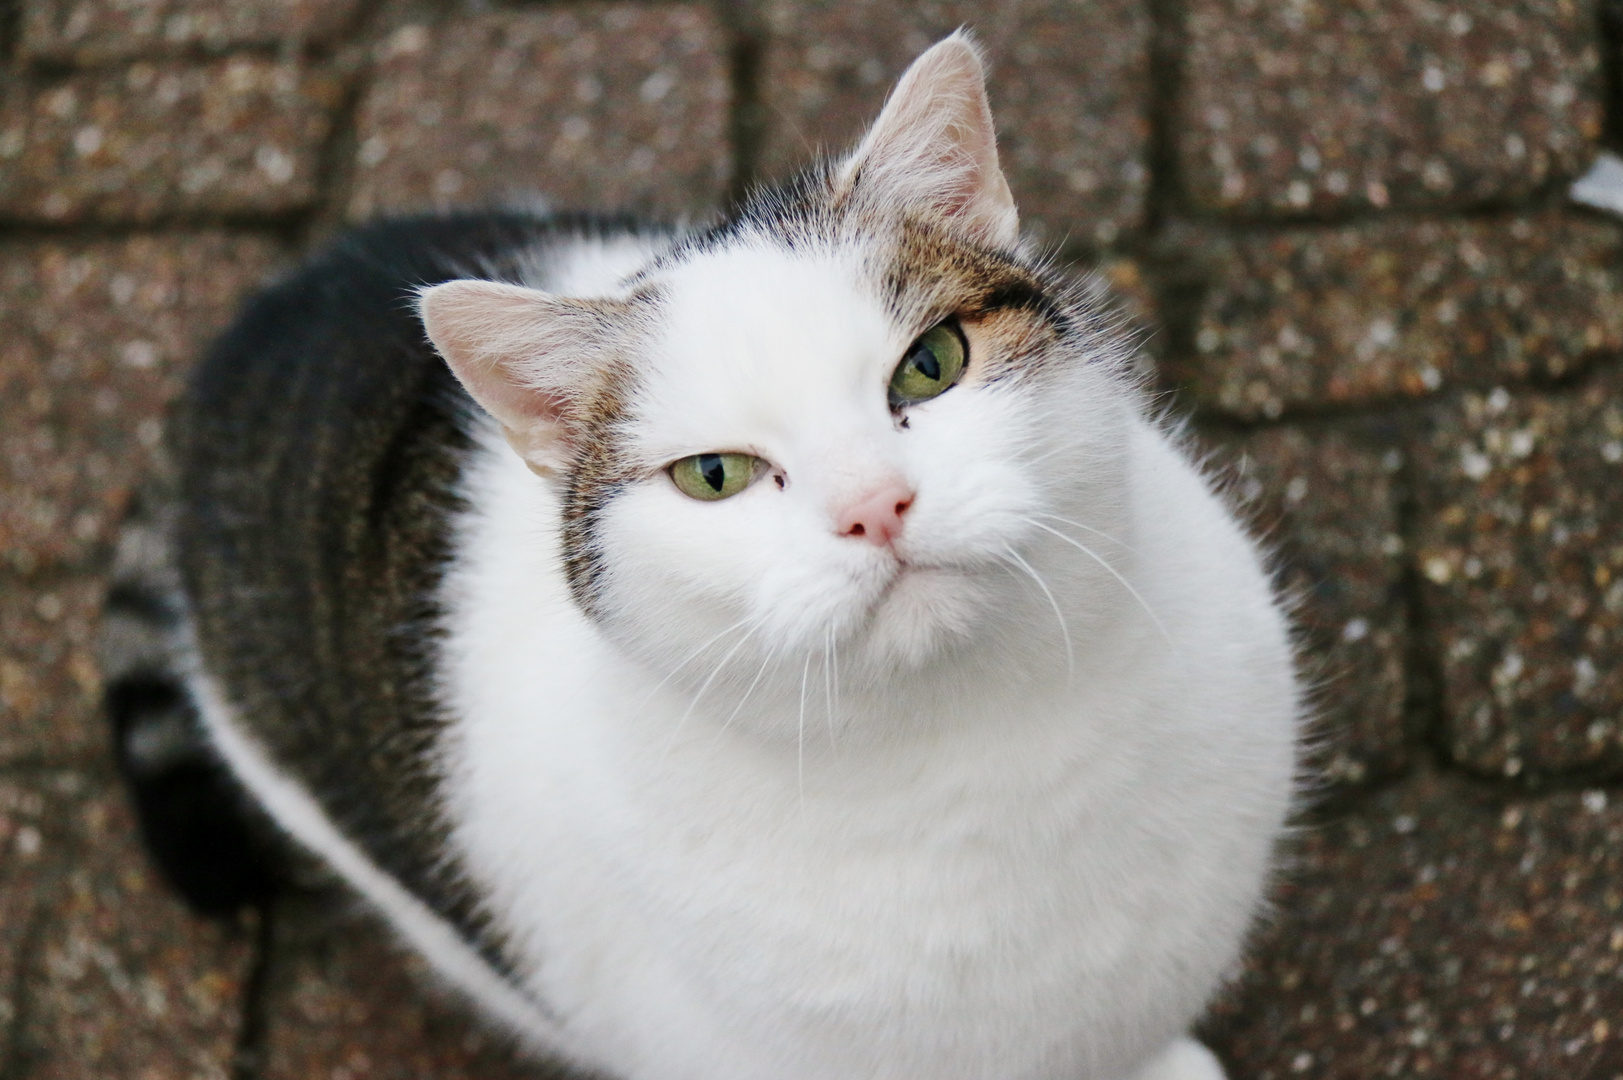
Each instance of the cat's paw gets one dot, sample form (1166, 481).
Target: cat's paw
(1185, 1059)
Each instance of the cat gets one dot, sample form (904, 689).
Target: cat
(785, 650)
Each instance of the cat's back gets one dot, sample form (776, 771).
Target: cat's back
(321, 444)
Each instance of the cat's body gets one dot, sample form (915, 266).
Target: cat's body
(953, 744)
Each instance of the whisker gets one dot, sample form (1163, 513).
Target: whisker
(747, 692)
(828, 684)
(1065, 631)
(688, 659)
(800, 736)
(1091, 529)
(703, 687)
(1090, 553)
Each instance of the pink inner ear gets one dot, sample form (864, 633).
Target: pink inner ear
(934, 143)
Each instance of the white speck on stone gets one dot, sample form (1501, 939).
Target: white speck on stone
(1515, 147)
(1509, 669)
(447, 183)
(1513, 767)
(49, 607)
(1302, 1062)
(1355, 630)
(656, 86)
(1404, 824)
(575, 128)
(87, 140)
(1521, 443)
(1584, 675)
(1430, 377)
(1438, 570)
(372, 151)
(1296, 490)
(1299, 194)
(1473, 463)
(28, 841)
(406, 41)
(1392, 460)
(138, 354)
(1433, 78)
(1594, 801)
(1459, 23)
(1498, 401)
(1309, 159)
(1209, 340)
(275, 163)
(1611, 452)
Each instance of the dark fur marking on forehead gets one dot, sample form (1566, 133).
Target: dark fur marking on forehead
(600, 472)
(934, 270)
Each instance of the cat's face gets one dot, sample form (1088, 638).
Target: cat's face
(844, 422)
(891, 526)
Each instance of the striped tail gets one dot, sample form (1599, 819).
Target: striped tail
(201, 829)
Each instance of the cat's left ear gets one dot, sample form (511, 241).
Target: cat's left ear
(532, 360)
(934, 145)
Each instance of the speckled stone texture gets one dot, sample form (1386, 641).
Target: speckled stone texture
(344, 1000)
(239, 136)
(120, 980)
(1521, 554)
(1307, 318)
(1442, 929)
(1324, 106)
(31, 832)
(1325, 499)
(1069, 89)
(601, 107)
(50, 687)
(93, 31)
(95, 338)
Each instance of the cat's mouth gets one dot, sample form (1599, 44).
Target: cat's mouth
(920, 610)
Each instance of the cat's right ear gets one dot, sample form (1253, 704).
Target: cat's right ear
(530, 359)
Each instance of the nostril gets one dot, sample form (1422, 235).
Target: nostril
(902, 507)
(857, 530)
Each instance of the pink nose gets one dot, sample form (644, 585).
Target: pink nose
(877, 515)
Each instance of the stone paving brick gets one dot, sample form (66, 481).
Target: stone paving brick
(93, 31)
(125, 982)
(1333, 105)
(1312, 317)
(1438, 931)
(599, 107)
(1069, 85)
(346, 1003)
(1327, 499)
(50, 688)
(95, 338)
(30, 846)
(1520, 549)
(240, 136)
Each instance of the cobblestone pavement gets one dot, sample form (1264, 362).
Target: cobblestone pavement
(1345, 222)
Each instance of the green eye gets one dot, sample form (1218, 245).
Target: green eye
(932, 364)
(715, 476)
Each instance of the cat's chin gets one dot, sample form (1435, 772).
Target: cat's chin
(923, 612)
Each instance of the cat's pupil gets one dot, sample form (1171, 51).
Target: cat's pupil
(924, 360)
(713, 471)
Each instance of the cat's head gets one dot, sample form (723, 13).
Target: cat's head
(855, 417)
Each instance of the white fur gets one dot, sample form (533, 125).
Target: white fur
(1013, 849)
